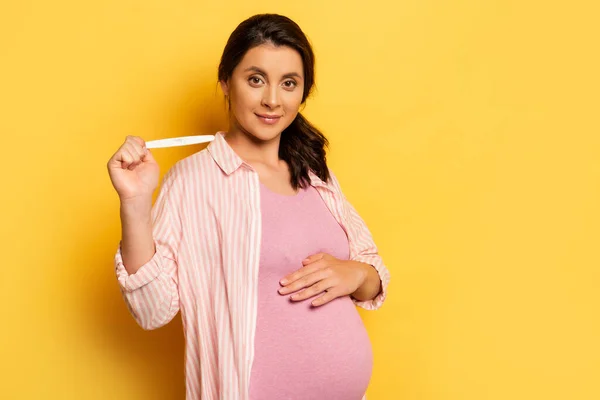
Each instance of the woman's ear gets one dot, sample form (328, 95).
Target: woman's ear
(224, 87)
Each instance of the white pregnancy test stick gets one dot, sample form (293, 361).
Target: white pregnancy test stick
(179, 141)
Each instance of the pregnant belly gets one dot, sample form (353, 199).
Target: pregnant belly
(304, 352)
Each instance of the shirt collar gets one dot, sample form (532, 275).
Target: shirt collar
(223, 154)
(229, 161)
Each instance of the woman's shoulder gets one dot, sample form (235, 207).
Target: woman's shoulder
(332, 180)
(185, 172)
(191, 166)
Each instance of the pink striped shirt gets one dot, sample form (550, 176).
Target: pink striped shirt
(207, 232)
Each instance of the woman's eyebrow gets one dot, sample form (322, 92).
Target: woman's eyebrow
(260, 71)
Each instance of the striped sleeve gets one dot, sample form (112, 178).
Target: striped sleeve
(363, 249)
(151, 293)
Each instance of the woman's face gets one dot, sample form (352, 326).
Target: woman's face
(265, 91)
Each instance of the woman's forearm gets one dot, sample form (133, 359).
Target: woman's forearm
(137, 243)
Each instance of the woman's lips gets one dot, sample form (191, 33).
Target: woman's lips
(268, 119)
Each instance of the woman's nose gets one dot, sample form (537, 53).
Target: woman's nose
(270, 97)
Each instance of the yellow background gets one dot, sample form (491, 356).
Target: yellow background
(466, 134)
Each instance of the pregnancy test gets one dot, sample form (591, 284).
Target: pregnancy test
(179, 141)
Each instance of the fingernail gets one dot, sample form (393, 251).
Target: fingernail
(284, 281)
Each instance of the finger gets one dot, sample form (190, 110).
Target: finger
(125, 157)
(136, 159)
(299, 274)
(314, 290)
(132, 157)
(136, 139)
(305, 281)
(148, 157)
(136, 149)
(140, 153)
(144, 152)
(312, 258)
(325, 298)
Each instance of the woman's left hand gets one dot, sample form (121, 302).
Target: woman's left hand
(323, 272)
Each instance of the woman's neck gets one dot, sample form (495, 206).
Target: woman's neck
(252, 149)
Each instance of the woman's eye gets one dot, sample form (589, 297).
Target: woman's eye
(289, 84)
(255, 80)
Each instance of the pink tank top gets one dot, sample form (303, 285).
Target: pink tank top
(304, 352)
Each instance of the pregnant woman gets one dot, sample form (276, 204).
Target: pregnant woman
(253, 240)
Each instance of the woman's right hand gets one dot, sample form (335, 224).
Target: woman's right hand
(133, 171)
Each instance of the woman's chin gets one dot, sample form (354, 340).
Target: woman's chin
(264, 133)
